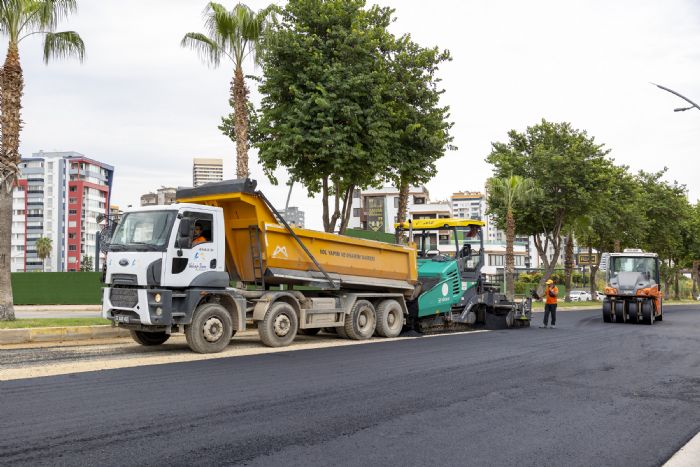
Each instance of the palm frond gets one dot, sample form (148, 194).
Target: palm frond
(207, 49)
(63, 45)
(51, 12)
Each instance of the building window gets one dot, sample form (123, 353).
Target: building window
(71, 247)
(356, 193)
(72, 212)
(396, 201)
(356, 212)
(495, 260)
(71, 236)
(73, 188)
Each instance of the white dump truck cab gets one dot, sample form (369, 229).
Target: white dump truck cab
(162, 261)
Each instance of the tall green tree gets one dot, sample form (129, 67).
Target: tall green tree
(43, 250)
(324, 115)
(510, 192)
(569, 168)
(615, 219)
(233, 35)
(420, 126)
(668, 212)
(20, 19)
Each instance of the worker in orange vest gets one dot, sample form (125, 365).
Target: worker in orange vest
(550, 303)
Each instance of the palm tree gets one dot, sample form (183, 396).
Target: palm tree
(510, 191)
(43, 250)
(20, 19)
(233, 35)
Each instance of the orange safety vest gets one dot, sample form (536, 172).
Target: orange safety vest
(551, 300)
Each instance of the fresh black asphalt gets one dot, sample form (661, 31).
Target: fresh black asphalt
(587, 393)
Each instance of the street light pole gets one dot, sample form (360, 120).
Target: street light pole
(678, 109)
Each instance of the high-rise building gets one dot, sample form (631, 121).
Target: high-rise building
(163, 195)
(207, 171)
(377, 208)
(59, 196)
(468, 204)
(294, 216)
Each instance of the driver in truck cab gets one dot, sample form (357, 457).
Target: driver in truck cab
(198, 234)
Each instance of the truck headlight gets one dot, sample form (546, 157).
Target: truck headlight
(159, 311)
(156, 297)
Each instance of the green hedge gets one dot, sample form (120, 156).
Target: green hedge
(56, 288)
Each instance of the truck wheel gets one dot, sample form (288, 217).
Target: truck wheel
(340, 330)
(149, 338)
(661, 314)
(648, 312)
(361, 321)
(389, 318)
(619, 312)
(632, 312)
(211, 329)
(607, 311)
(279, 326)
(309, 332)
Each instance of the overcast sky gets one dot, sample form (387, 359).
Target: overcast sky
(146, 106)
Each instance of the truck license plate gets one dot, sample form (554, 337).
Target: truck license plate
(121, 319)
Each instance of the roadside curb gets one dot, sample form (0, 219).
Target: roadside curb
(60, 334)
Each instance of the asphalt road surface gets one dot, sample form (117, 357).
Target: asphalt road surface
(587, 393)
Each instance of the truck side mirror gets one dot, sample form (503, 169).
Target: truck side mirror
(184, 238)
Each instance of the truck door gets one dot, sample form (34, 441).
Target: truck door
(198, 261)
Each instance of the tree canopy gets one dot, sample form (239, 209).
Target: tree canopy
(345, 102)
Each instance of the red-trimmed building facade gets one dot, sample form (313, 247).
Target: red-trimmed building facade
(64, 192)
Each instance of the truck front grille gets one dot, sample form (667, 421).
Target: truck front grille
(127, 298)
(124, 279)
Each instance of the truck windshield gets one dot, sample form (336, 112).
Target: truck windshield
(143, 231)
(632, 264)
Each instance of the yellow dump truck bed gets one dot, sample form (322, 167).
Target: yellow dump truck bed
(253, 231)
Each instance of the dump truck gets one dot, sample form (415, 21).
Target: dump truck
(169, 269)
(632, 291)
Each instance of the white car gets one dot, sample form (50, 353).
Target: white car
(579, 296)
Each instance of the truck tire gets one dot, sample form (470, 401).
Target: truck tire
(361, 322)
(389, 318)
(661, 313)
(211, 329)
(648, 312)
(340, 330)
(619, 311)
(607, 311)
(633, 312)
(149, 338)
(309, 332)
(280, 325)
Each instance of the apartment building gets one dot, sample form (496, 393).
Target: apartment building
(163, 195)
(206, 171)
(377, 209)
(59, 196)
(294, 216)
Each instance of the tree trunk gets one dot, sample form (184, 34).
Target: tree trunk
(548, 265)
(11, 85)
(324, 192)
(616, 247)
(676, 285)
(346, 210)
(403, 207)
(568, 265)
(239, 94)
(510, 260)
(594, 270)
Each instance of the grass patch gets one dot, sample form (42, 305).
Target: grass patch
(52, 322)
